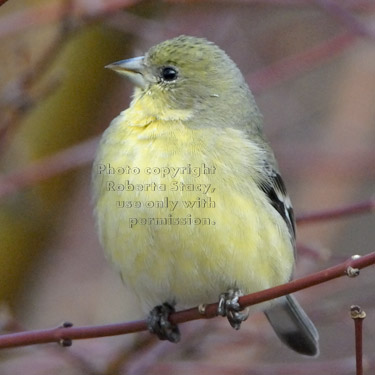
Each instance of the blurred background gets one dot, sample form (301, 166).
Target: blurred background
(311, 66)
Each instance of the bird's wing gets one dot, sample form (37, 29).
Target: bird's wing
(274, 188)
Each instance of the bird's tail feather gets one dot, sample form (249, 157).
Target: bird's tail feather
(293, 326)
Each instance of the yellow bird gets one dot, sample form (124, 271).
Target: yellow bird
(189, 202)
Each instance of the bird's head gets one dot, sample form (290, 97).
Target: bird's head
(188, 73)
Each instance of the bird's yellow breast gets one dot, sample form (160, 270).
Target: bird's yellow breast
(180, 213)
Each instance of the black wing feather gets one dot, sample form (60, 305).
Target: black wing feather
(275, 189)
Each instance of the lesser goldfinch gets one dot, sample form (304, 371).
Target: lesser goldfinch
(189, 202)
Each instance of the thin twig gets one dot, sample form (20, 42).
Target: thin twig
(337, 213)
(348, 165)
(51, 12)
(68, 159)
(20, 106)
(357, 314)
(66, 333)
(16, 97)
(300, 63)
(346, 18)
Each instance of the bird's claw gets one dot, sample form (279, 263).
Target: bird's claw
(159, 324)
(229, 307)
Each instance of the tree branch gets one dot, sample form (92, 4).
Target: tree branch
(292, 66)
(346, 18)
(65, 160)
(52, 12)
(66, 333)
(336, 213)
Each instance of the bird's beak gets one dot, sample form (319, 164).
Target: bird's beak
(133, 69)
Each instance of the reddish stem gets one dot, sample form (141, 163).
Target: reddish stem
(292, 66)
(65, 160)
(353, 209)
(66, 333)
(358, 315)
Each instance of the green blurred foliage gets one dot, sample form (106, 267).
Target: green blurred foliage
(64, 118)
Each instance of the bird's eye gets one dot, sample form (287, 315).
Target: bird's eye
(169, 74)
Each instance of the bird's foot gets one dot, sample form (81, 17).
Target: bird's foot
(229, 307)
(159, 324)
